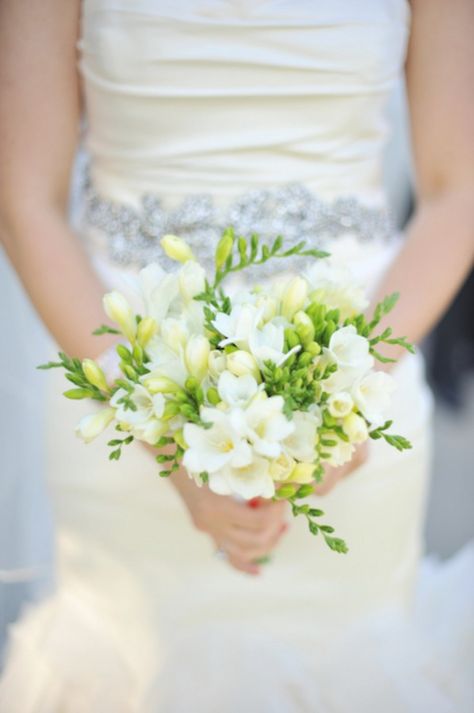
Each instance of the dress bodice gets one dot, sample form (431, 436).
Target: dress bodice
(223, 96)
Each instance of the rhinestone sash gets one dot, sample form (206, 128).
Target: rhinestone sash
(290, 210)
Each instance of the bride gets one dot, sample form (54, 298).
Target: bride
(261, 113)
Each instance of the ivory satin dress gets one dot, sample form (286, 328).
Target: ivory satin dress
(266, 113)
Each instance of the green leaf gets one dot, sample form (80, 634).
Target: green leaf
(105, 329)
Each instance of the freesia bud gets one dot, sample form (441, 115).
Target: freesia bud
(294, 296)
(313, 348)
(196, 356)
(89, 427)
(224, 247)
(94, 374)
(213, 396)
(302, 473)
(179, 439)
(304, 327)
(340, 404)
(118, 310)
(176, 248)
(355, 428)
(146, 329)
(241, 363)
(160, 385)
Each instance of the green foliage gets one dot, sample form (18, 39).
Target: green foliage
(311, 514)
(398, 442)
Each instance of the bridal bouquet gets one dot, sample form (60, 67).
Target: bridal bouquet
(252, 391)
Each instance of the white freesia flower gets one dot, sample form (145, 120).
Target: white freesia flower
(150, 431)
(264, 424)
(237, 325)
(340, 404)
(300, 444)
(340, 453)
(118, 310)
(196, 356)
(241, 362)
(211, 449)
(335, 286)
(236, 390)
(144, 422)
(251, 481)
(159, 290)
(191, 279)
(372, 395)
(282, 467)
(351, 353)
(165, 361)
(89, 427)
(302, 473)
(355, 428)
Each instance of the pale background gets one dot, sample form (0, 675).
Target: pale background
(26, 549)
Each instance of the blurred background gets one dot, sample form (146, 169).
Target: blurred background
(26, 533)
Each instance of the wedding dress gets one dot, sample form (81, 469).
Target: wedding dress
(263, 113)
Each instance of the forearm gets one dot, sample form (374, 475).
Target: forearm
(58, 276)
(431, 266)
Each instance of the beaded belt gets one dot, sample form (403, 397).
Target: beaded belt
(290, 210)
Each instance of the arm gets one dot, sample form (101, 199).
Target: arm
(439, 248)
(39, 122)
(39, 125)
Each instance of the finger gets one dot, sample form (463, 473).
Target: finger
(242, 566)
(253, 545)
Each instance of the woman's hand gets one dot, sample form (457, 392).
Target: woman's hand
(333, 475)
(242, 532)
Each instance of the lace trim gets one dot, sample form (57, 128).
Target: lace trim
(290, 210)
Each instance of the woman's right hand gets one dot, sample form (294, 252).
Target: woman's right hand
(243, 533)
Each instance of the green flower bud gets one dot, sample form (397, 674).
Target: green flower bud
(313, 348)
(138, 353)
(291, 337)
(77, 394)
(213, 396)
(94, 374)
(130, 372)
(176, 248)
(172, 408)
(305, 490)
(224, 247)
(123, 353)
(286, 491)
(191, 383)
(304, 327)
(179, 439)
(160, 385)
(146, 330)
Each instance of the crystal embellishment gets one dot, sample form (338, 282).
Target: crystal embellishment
(290, 210)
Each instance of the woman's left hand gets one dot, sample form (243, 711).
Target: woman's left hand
(332, 474)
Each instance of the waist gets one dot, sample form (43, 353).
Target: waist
(129, 230)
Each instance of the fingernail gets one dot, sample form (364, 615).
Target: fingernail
(254, 503)
(283, 528)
